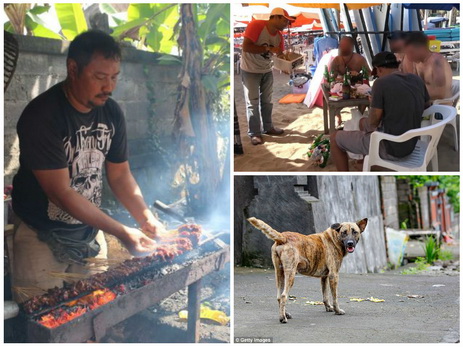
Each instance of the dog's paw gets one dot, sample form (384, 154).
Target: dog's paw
(329, 308)
(283, 320)
(340, 312)
(288, 315)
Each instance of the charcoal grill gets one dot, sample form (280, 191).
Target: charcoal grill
(185, 270)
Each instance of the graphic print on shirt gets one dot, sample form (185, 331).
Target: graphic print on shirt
(85, 152)
(267, 55)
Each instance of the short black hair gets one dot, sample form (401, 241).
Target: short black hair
(85, 45)
(416, 38)
(397, 35)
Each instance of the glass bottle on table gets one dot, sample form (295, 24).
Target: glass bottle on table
(349, 76)
(366, 78)
(346, 87)
(332, 80)
(326, 78)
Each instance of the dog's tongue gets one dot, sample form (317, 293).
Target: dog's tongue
(350, 249)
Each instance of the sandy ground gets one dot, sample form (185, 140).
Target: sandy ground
(434, 317)
(302, 125)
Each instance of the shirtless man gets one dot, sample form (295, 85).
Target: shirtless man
(397, 43)
(432, 67)
(348, 58)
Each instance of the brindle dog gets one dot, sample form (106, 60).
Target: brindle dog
(316, 255)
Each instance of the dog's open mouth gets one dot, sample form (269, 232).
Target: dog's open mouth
(351, 249)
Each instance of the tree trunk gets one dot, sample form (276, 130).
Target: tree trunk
(196, 131)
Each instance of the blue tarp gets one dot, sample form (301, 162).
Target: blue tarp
(445, 34)
(442, 7)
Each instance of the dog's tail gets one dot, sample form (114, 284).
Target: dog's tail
(268, 231)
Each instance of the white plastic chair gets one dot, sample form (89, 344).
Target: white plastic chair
(454, 101)
(425, 150)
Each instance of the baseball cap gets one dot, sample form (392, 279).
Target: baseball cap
(384, 58)
(278, 11)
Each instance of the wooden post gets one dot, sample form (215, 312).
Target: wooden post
(194, 304)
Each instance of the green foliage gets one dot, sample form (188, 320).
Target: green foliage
(404, 224)
(450, 183)
(431, 249)
(445, 255)
(420, 265)
(72, 19)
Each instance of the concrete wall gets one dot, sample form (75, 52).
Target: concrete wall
(279, 201)
(390, 201)
(146, 92)
(244, 193)
(424, 206)
(349, 199)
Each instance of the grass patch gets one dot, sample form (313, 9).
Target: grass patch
(431, 249)
(445, 255)
(420, 265)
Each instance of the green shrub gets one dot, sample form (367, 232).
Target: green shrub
(421, 265)
(445, 255)
(431, 249)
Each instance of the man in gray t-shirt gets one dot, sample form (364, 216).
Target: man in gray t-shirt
(262, 39)
(397, 104)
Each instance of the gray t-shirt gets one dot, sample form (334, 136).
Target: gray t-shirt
(402, 97)
(258, 33)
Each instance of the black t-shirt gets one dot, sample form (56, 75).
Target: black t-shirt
(54, 135)
(402, 97)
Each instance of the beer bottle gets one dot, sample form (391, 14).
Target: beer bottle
(332, 80)
(326, 77)
(366, 79)
(346, 87)
(349, 77)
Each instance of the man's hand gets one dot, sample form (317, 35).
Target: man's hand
(137, 242)
(153, 228)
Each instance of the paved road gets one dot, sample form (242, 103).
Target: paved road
(434, 318)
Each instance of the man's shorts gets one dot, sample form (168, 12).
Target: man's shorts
(358, 142)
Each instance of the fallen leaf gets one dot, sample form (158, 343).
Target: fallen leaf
(357, 299)
(415, 296)
(314, 303)
(372, 299)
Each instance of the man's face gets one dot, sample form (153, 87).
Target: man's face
(281, 22)
(345, 47)
(397, 46)
(94, 84)
(379, 71)
(414, 53)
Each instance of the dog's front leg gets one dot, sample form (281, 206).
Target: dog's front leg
(326, 296)
(334, 292)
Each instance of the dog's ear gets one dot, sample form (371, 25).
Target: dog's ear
(336, 226)
(362, 224)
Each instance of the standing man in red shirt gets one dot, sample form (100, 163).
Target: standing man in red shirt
(262, 39)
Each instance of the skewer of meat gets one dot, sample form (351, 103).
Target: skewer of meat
(167, 250)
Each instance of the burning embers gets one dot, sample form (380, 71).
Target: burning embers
(77, 308)
(55, 308)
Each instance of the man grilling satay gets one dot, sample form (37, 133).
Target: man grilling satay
(67, 135)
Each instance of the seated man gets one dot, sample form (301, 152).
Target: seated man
(432, 67)
(397, 42)
(397, 103)
(347, 58)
